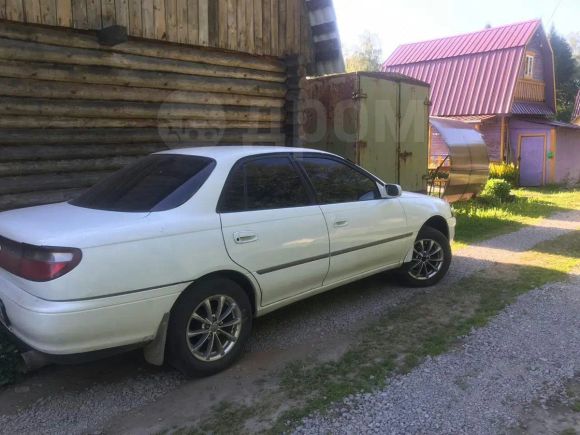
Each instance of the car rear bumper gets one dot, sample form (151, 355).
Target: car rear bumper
(65, 328)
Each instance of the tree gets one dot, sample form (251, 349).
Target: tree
(367, 55)
(567, 72)
(574, 41)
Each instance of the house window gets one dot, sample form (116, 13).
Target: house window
(529, 67)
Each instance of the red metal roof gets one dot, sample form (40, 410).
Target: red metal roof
(470, 75)
(478, 84)
(576, 112)
(497, 38)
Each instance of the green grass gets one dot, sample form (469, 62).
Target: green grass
(478, 220)
(427, 326)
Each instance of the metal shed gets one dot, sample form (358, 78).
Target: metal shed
(464, 159)
(377, 120)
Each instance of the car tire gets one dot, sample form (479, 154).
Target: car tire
(201, 339)
(431, 259)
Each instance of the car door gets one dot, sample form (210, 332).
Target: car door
(273, 228)
(367, 232)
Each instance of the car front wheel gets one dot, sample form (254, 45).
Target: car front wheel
(430, 261)
(209, 327)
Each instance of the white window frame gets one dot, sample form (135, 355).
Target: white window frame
(529, 66)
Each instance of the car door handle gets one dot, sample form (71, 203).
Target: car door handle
(340, 222)
(241, 237)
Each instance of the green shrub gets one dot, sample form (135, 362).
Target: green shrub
(496, 189)
(505, 171)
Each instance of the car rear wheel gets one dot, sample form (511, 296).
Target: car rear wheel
(209, 327)
(430, 261)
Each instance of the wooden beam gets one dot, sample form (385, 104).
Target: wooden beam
(135, 18)
(222, 23)
(274, 38)
(48, 12)
(94, 14)
(27, 51)
(251, 35)
(160, 19)
(144, 79)
(32, 11)
(203, 13)
(23, 32)
(65, 122)
(122, 13)
(17, 87)
(184, 25)
(232, 25)
(14, 10)
(258, 27)
(282, 28)
(242, 26)
(267, 27)
(15, 142)
(213, 23)
(134, 110)
(191, 21)
(80, 18)
(171, 20)
(108, 12)
(64, 16)
(2, 9)
(148, 17)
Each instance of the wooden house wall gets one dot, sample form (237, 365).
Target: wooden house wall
(270, 27)
(72, 111)
(535, 47)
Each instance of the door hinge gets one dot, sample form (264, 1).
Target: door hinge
(404, 155)
(359, 95)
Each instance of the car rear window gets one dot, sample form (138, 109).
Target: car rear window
(155, 183)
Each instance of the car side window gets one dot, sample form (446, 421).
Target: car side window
(336, 182)
(262, 184)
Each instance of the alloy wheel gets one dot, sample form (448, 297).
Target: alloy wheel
(428, 259)
(214, 328)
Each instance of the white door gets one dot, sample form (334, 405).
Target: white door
(273, 228)
(366, 232)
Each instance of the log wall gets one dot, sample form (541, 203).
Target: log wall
(270, 27)
(72, 111)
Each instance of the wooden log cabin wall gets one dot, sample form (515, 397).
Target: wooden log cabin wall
(190, 72)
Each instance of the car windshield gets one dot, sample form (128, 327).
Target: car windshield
(155, 183)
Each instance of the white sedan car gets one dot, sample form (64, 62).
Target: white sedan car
(178, 252)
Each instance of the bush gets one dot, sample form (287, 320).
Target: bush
(496, 189)
(505, 171)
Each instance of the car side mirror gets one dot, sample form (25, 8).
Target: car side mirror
(393, 190)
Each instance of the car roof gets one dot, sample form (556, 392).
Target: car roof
(236, 152)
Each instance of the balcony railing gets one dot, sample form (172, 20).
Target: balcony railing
(530, 90)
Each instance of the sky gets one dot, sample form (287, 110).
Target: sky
(401, 21)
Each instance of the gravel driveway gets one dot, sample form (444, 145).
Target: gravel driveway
(126, 395)
(530, 350)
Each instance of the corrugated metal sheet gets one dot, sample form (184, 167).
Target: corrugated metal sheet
(576, 112)
(526, 108)
(498, 38)
(477, 84)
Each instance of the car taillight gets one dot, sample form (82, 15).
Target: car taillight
(37, 263)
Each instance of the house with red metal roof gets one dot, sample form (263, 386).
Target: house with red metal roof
(502, 81)
(576, 112)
